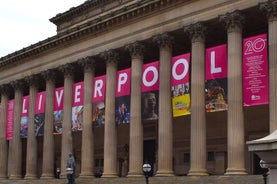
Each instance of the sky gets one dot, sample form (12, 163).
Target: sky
(26, 22)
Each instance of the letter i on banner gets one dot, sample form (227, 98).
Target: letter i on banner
(150, 91)
(216, 78)
(180, 87)
(9, 120)
(98, 101)
(24, 117)
(58, 110)
(255, 71)
(77, 106)
(40, 113)
(122, 101)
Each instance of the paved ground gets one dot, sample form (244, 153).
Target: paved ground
(251, 179)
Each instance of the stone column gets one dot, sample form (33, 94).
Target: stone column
(87, 165)
(110, 137)
(48, 138)
(31, 160)
(236, 139)
(136, 128)
(165, 135)
(4, 90)
(270, 8)
(15, 151)
(198, 111)
(68, 71)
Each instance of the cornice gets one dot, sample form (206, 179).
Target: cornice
(101, 24)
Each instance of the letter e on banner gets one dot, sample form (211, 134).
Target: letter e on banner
(150, 77)
(78, 94)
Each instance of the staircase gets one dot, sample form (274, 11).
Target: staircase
(248, 179)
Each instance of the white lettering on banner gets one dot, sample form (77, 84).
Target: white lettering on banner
(77, 93)
(257, 45)
(175, 66)
(40, 102)
(122, 79)
(97, 89)
(155, 78)
(213, 67)
(24, 109)
(59, 97)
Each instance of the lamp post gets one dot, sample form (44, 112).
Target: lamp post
(146, 170)
(264, 167)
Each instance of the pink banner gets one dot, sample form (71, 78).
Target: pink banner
(150, 77)
(78, 94)
(9, 120)
(40, 102)
(255, 70)
(180, 69)
(58, 98)
(25, 106)
(216, 62)
(123, 82)
(99, 87)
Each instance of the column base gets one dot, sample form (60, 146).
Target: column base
(47, 176)
(164, 173)
(30, 177)
(15, 177)
(232, 171)
(198, 173)
(86, 175)
(110, 175)
(135, 175)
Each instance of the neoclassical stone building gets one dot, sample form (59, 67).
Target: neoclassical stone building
(102, 37)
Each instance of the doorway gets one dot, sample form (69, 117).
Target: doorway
(149, 155)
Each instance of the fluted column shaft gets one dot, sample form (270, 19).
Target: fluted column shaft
(31, 160)
(136, 127)
(110, 137)
(48, 138)
(67, 116)
(3, 141)
(87, 134)
(236, 140)
(198, 113)
(165, 135)
(270, 8)
(15, 151)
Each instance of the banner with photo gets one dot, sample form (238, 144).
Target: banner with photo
(122, 101)
(98, 101)
(9, 120)
(216, 78)
(77, 106)
(24, 117)
(255, 71)
(180, 86)
(40, 113)
(150, 91)
(58, 110)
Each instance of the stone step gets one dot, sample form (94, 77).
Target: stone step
(249, 179)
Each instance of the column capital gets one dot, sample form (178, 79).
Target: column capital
(88, 63)
(270, 8)
(67, 69)
(32, 80)
(49, 75)
(233, 21)
(17, 84)
(196, 31)
(164, 40)
(110, 56)
(136, 49)
(4, 89)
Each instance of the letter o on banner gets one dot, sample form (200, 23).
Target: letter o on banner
(153, 80)
(182, 75)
